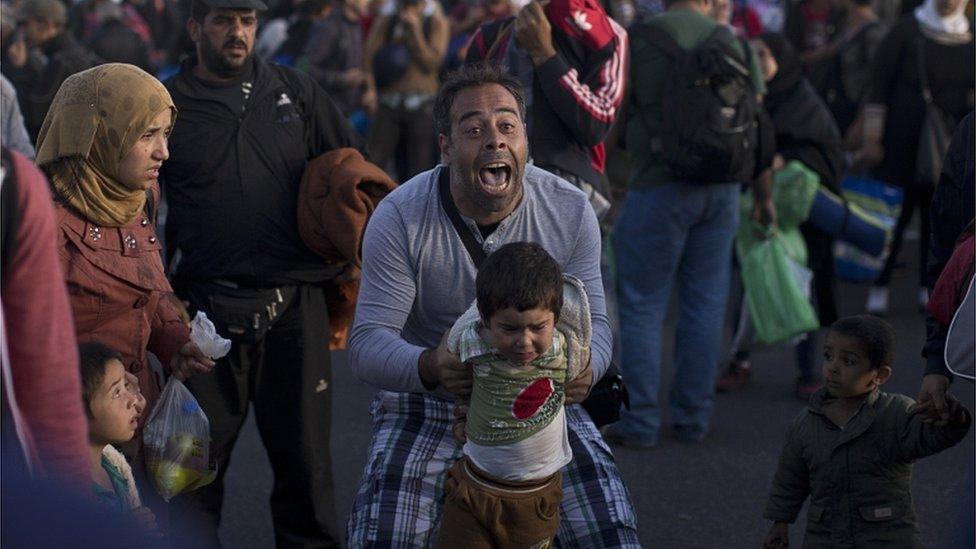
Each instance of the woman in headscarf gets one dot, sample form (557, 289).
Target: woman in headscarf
(101, 146)
(893, 118)
(805, 131)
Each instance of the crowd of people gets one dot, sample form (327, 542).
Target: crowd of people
(490, 204)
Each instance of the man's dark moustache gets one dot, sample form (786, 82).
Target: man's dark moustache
(231, 44)
(488, 159)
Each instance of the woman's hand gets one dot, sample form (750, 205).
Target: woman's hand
(190, 361)
(180, 306)
(933, 403)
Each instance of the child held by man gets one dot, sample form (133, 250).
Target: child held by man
(526, 335)
(852, 449)
(113, 406)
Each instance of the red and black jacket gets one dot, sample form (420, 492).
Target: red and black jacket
(577, 93)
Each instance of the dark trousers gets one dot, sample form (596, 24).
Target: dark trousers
(286, 374)
(404, 139)
(916, 197)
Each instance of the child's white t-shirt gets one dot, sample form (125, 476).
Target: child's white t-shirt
(536, 457)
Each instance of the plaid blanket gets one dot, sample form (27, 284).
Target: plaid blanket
(402, 490)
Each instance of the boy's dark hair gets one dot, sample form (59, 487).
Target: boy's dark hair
(470, 76)
(92, 358)
(520, 275)
(876, 335)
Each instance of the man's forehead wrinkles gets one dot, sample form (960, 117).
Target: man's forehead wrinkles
(496, 111)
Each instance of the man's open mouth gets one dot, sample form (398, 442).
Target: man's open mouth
(495, 177)
(236, 48)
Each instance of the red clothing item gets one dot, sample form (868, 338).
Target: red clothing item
(953, 283)
(41, 340)
(747, 21)
(116, 284)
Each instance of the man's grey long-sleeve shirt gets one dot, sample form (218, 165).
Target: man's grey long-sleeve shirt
(418, 278)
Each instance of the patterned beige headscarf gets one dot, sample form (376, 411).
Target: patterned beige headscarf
(98, 115)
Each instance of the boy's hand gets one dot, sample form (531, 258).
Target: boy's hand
(778, 536)
(932, 400)
(146, 520)
(579, 388)
(190, 361)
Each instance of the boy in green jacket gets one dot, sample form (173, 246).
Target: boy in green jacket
(852, 449)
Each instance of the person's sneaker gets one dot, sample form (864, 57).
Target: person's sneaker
(691, 434)
(735, 377)
(923, 298)
(613, 435)
(806, 386)
(877, 300)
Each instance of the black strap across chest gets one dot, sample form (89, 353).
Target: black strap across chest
(475, 250)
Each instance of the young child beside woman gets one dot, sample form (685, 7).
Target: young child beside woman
(113, 407)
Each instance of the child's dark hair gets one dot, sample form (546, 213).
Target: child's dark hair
(92, 357)
(876, 335)
(520, 275)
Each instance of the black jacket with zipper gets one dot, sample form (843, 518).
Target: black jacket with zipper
(232, 178)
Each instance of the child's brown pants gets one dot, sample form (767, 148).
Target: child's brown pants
(481, 511)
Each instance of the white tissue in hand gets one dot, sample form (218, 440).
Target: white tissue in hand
(204, 334)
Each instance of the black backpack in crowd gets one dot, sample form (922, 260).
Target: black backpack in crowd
(708, 131)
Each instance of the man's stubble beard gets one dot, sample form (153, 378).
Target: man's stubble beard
(470, 188)
(215, 62)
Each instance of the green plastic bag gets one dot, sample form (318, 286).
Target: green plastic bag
(794, 188)
(750, 234)
(774, 285)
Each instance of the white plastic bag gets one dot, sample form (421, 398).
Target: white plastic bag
(204, 334)
(177, 439)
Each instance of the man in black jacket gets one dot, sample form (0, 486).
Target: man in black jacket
(246, 130)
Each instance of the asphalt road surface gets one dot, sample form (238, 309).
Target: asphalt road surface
(708, 495)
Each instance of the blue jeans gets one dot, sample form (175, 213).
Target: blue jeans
(673, 231)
